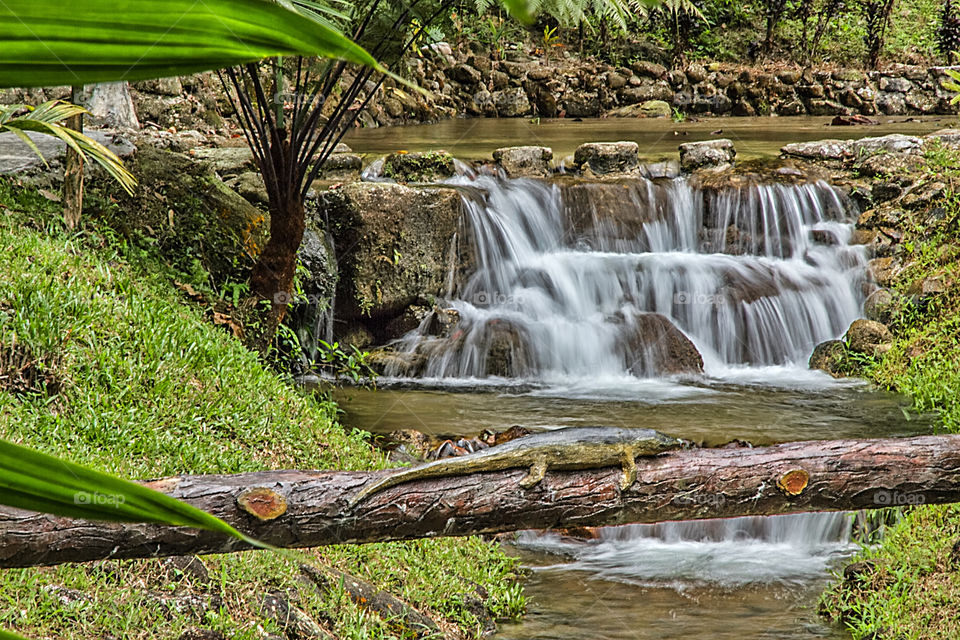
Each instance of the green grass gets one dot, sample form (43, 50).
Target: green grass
(127, 376)
(912, 590)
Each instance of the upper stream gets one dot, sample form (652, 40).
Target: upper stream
(476, 138)
(588, 304)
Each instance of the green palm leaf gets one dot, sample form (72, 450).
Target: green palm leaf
(46, 119)
(43, 44)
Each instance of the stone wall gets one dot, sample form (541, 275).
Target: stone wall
(466, 84)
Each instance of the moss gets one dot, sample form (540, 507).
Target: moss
(428, 166)
(184, 214)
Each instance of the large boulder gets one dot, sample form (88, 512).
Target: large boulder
(607, 214)
(655, 109)
(654, 346)
(607, 157)
(394, 247)
(893, 143)
(16, 156)
(526, 161)
(884, 270)
(946, 137)
(582, 105)
(507, 351)
(869, 337)
(184, 210)
(831, 357)
(710, 154)
(817, 150)
(882, 305)
(511, 103)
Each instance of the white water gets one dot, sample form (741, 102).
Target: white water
(731, 553)
(737, 271)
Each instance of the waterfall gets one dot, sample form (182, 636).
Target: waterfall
(585, 280)
(733, 552)
(579, 282)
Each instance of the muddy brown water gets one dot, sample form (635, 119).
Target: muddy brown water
(658, 138)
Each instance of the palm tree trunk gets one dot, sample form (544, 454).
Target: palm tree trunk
(73, 173)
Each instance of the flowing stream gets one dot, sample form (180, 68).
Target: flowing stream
(588, 304)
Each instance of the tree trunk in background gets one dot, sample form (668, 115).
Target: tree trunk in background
(877, 14)
(774, 12)
(73, 172)
(309, 508)
(111, 105)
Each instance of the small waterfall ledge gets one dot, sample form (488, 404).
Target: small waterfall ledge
(641, 277)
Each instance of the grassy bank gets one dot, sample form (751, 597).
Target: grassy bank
(105, 362)
(909, 586)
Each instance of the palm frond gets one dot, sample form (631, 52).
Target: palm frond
(46, 119)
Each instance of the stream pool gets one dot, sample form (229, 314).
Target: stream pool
(658, 138)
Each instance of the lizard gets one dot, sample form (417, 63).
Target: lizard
(570, 448)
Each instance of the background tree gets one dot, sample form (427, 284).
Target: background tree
(774, 10)
(948, 32)
(876, 13)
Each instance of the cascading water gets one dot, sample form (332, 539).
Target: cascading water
(566, 278)
(596, 284)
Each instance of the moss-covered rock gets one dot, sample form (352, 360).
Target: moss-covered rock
(427, 166)
(182, 208)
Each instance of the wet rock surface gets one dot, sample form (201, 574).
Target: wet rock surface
(394, 248)
(524, 162)
(712, 154)
(869, 337)
(602, 158)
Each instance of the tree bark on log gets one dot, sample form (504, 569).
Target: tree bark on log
(308, 508)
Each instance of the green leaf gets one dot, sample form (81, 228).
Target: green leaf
(46, 119)
(45, 43)
(6, 635)
(522, 10)
(36, 481)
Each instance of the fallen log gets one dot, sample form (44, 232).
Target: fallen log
(308, 508)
